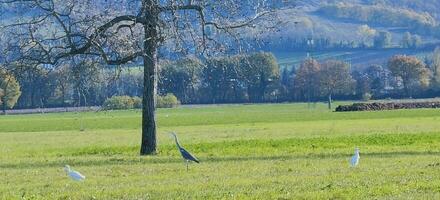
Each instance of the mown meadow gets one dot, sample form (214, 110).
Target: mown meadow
(269, 151)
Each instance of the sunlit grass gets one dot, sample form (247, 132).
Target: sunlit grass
(285, 151)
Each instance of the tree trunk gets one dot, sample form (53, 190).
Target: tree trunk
(4, 107)
(63, 93)
(5, 103)
(407, 89)
(330, 101)
(149, 142)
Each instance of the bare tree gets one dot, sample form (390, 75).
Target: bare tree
(306, 81)
(119, 32)
(335, 78)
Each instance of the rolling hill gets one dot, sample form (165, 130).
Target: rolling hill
(314, 19)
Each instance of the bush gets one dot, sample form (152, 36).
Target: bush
(167, 101)
(367, 96)
(126, 102)
(137, 102)
(118, 103)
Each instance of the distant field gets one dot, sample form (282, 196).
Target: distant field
(270, 151)
(358, 58)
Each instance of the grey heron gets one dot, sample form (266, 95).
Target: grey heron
(188, 157)
(74, 175)
(355, 159)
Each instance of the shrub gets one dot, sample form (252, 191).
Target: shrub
(367, 96)
(137, 102)
(118, 103)
(126, 102)
(167, 101)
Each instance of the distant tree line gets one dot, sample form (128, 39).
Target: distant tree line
(369, 39)
(402, 77)
(243, 78)
(253, 78)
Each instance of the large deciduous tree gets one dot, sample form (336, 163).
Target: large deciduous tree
(335, 78)
(9, 90)
(436, 67)
(411, 70)
(367, 34)
(306, 82)
(259, 71)
(51, 31)
(219, 77)
(182, 78)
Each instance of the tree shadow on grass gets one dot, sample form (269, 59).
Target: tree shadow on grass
(210, 159)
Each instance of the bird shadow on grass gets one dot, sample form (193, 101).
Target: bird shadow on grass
(210, 159)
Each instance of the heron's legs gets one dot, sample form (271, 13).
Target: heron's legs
(187, 165)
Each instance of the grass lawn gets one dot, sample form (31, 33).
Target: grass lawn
(283, 151)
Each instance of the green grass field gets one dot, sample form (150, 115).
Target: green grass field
(283, 151)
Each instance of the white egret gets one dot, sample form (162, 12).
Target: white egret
(74, 175)
(355, 159)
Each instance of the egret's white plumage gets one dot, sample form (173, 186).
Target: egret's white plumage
(74, 175)
(355, 159)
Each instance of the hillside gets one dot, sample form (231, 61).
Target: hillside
(335, 28)
(339, 22)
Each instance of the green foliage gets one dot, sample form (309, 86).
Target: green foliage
(247, 152)
(36, 85)
(181, 78)
(118, 103)
(259, 71)
(137, 102)
(221, 78)
(167, 101)
(240, 78)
